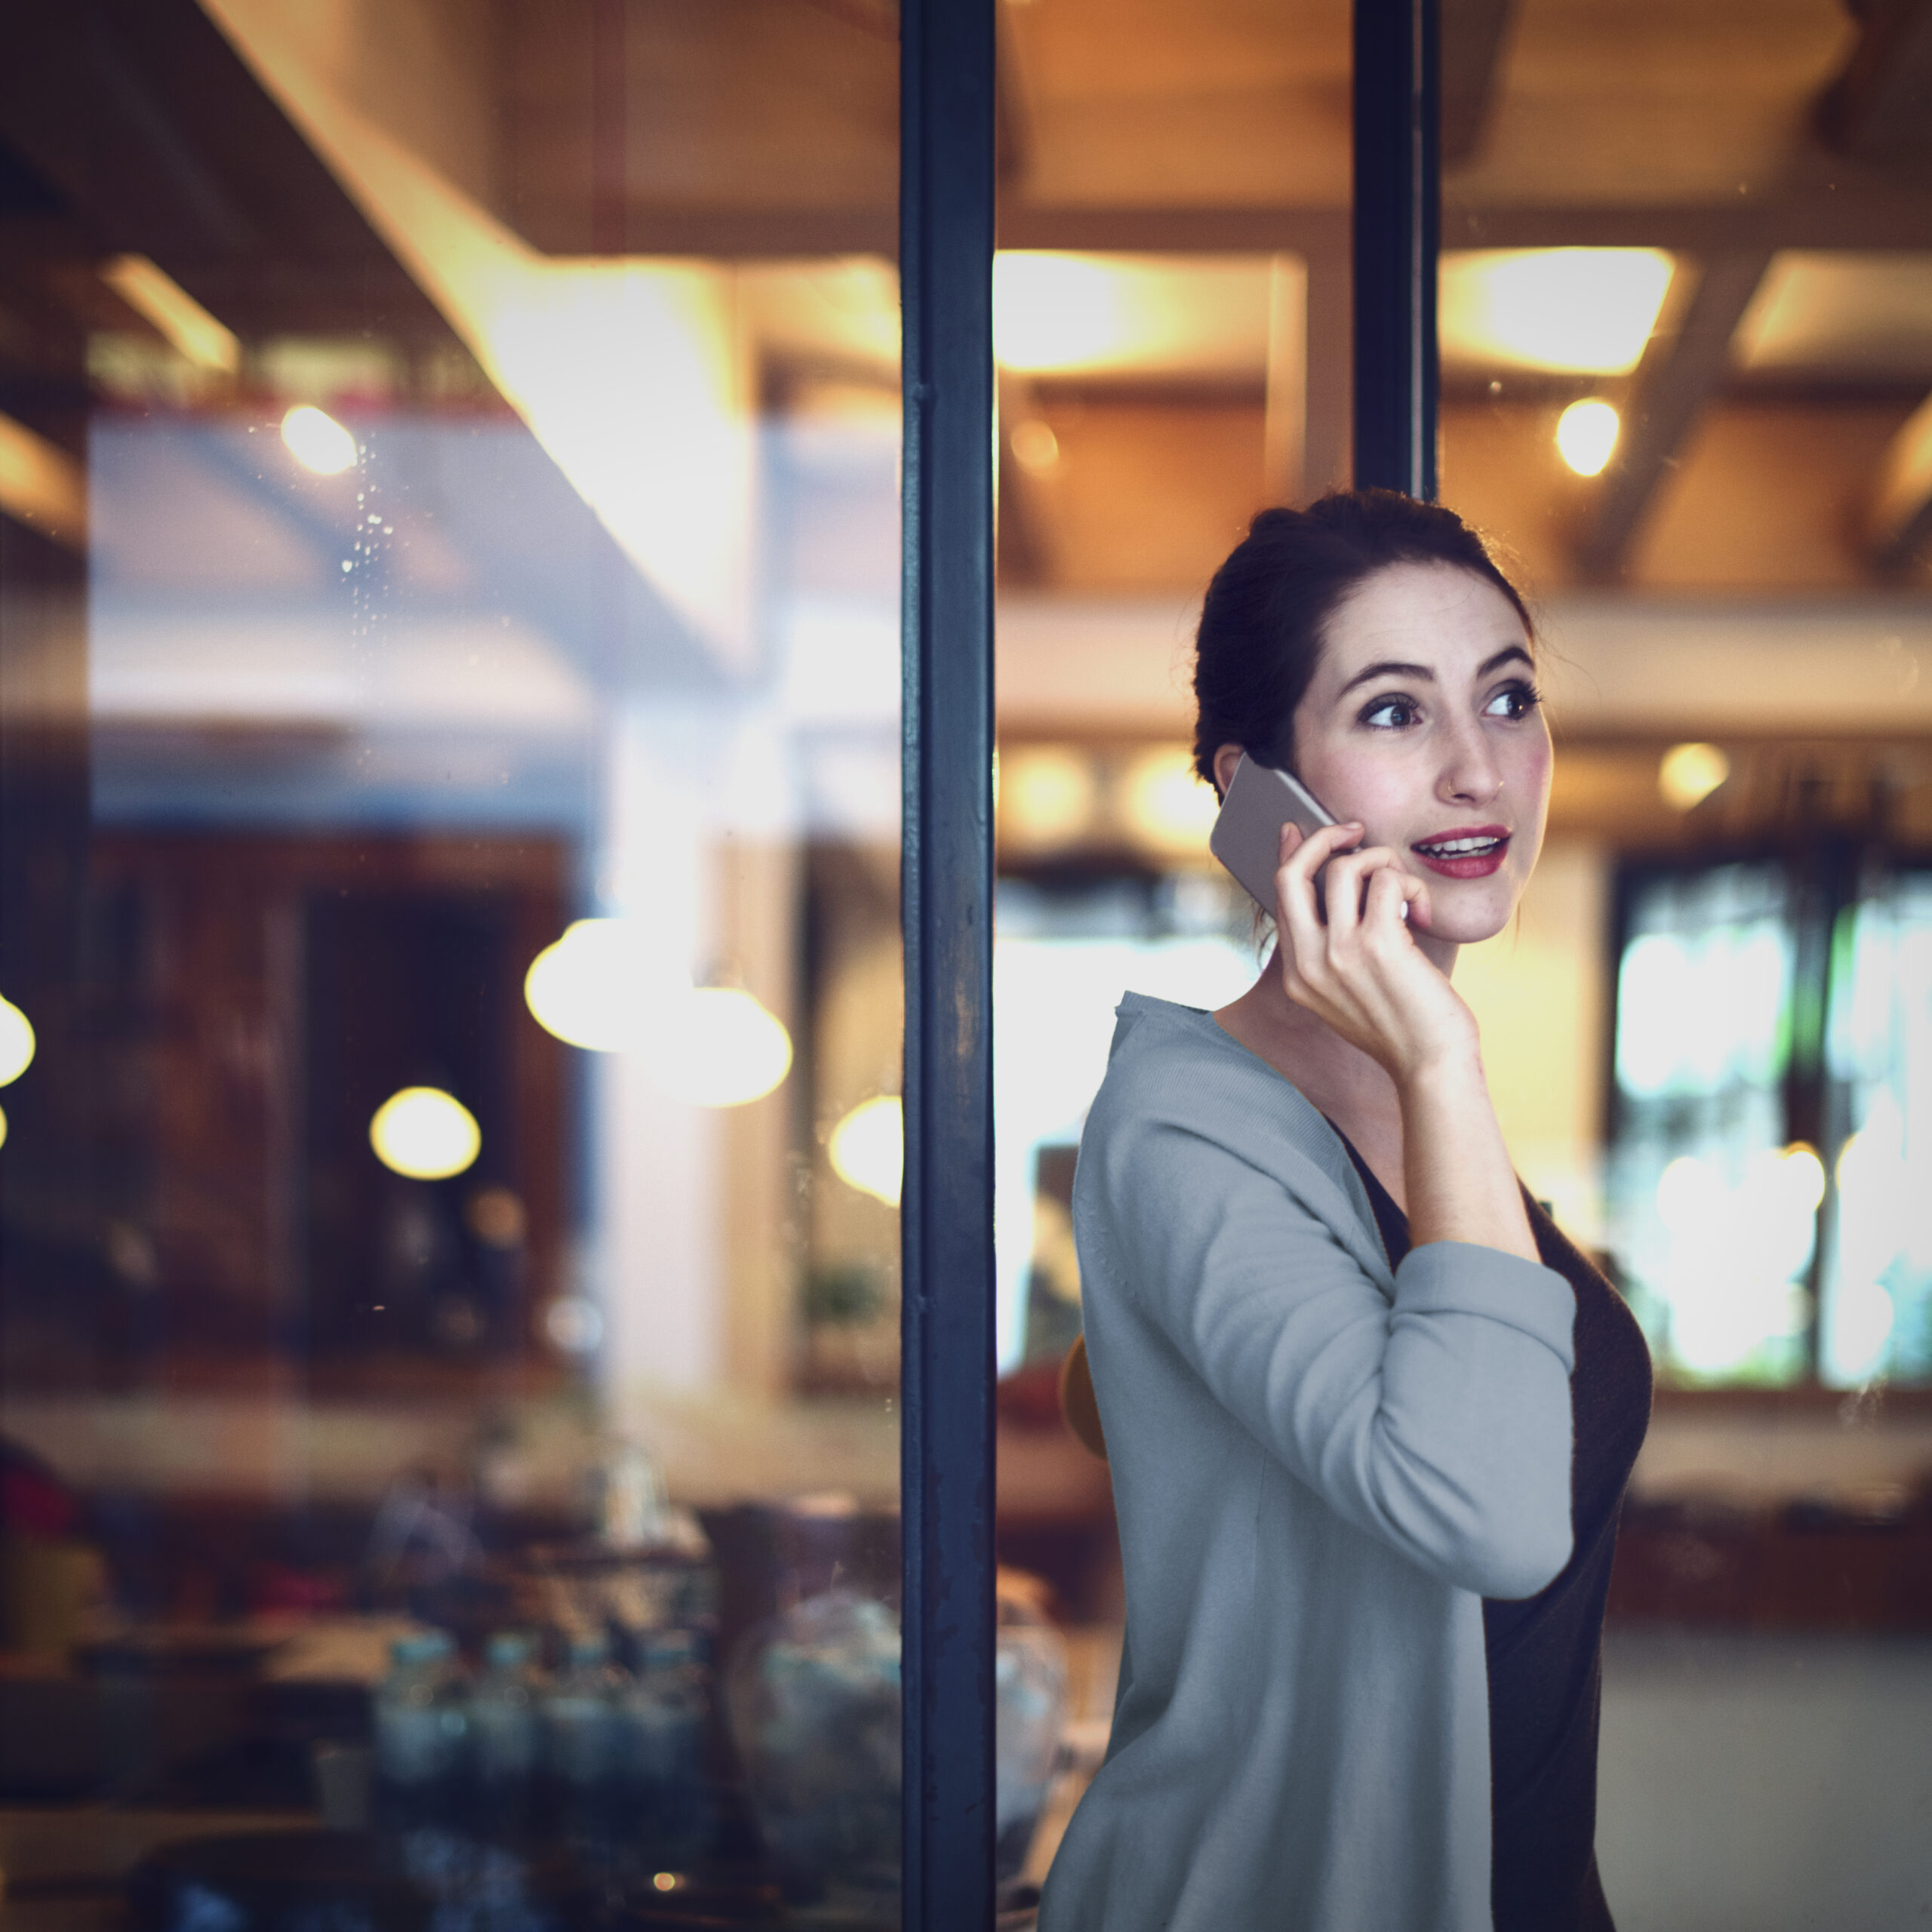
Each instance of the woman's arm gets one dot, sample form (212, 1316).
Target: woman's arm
(1361, 972)
(1440, 1424)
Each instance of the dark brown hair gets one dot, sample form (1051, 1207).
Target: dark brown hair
(1266, 613)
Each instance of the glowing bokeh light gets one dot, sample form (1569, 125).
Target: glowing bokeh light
(600, 986)
(1056, 311)
(16, 1042)
(868, 1148)
(608, 986)
(3, 1127)
(1165, 804)
(1688, 774)
(574, 1324)
(1047, 795)
(1689, 1195)
(317, 440)
(1858, 1328)
(1035, 447)
(1586, 435)
(425, 1134)
(718, 1047)
(1802, 1176)
(1575, 311)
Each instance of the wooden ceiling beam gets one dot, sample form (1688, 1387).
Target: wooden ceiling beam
(1899, 521)
(1475, 34)
(1814, 218)
(1677, 378)
(1880, 107)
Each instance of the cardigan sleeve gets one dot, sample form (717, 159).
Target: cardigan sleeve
(1440, 1425)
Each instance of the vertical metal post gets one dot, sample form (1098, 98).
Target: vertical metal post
(946, 122)
(1397, 220)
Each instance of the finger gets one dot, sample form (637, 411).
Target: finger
(1297, 915)
(1390, 890)
(1346, 880)
(1311, 850)
(1301, 860)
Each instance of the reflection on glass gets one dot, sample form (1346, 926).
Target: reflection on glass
(451, 862)
(1062, 960)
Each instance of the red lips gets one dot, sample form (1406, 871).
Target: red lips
(1476, 851)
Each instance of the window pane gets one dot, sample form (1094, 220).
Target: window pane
(1877, 1319)
(451, 938)
(1685, 309)
(1715, 1215)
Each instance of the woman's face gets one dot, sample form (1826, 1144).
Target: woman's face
(1422, 721)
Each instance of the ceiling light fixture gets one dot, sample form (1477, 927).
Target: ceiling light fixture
(317, 440)
(718, 1047)
(868, 1148)
(16, 1042)
(1578, 310)
(1586, 434)
(595, 987)
(425, 1134)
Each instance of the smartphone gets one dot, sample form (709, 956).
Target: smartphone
(1246, 837)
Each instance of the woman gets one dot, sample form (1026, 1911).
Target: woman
(1370, 1416)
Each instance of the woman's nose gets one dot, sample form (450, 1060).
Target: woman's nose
(1470, 772)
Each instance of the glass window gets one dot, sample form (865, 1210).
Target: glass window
(449, 1195)
(1876, 1321)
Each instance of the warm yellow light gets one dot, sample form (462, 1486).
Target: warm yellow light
(317, 440)
(16, 1041)
(1582, 311)
(426, 1134)
(1803, 1175)
(635, 374)
(1035, 447)
(1046, 796)
(718, 1047)
(1586, 434)
(156, 296)
(42, 485)
(1165, 805)
(1202, 315)
(868, 1148)
(599, 986)
(1054, 311)
(1688, 774)
(3, 1127)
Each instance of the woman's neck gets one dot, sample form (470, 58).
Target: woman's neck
(1338, 1079)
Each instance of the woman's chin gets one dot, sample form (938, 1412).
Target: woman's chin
(1462, 917)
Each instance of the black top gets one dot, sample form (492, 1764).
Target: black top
(1545, 1652)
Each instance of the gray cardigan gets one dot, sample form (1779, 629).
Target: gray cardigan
(1320, 1469)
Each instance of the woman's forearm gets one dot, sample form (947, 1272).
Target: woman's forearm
(1456, 1170)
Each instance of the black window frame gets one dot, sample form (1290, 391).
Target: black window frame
(947, 214)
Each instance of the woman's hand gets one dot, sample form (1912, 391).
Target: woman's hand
(1359, 970)
(1362, 973)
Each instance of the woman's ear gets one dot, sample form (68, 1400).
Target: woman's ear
(1226, 759)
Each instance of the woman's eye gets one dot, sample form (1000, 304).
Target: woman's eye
(1390, 714)
(1517, 702)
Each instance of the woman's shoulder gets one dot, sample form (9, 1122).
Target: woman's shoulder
(1174, 1067)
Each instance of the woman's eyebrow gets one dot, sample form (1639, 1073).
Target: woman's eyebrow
(1396, 668)
(1388, 667)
